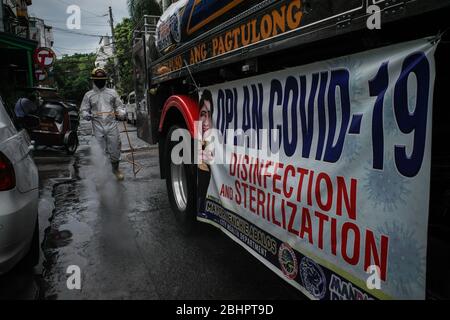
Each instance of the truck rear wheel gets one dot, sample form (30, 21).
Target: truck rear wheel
(181, 184)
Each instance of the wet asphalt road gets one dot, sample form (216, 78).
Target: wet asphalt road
(125, 239)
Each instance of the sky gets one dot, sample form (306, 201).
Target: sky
(94, 21)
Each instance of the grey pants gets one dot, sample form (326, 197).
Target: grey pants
(108, 136)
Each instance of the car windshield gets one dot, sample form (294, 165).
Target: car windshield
(53, 111)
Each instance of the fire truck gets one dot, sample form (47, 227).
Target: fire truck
(354, 201)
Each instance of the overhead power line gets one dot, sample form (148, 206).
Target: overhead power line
(80, 33)
(74, 49)
(82, 9)
(63, 22)
(59, 52)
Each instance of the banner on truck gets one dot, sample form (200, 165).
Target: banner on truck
(322, 171)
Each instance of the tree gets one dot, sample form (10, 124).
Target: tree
(72, 75)
(123, 42)
(139, 8)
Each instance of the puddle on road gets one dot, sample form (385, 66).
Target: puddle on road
(27, 284)
(59, 244)
(59, 231)
(78, 207)
(81, 209)
(79, 198)
(58, 239)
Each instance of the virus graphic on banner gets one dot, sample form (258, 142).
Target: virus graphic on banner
(389, 123)
(386, 189)
(356, 80)
(407, 259)
(352, 149)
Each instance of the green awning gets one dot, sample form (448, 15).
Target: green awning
(9, 41)
(14, 42)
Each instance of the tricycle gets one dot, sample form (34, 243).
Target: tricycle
(54, 126)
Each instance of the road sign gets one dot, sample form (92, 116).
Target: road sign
(44, 57)
(40, 74)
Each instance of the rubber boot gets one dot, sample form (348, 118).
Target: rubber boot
(119, 175)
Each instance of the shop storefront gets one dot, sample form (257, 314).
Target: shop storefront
(16, 66)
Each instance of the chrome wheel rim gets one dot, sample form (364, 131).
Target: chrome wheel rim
(179, 185)
(72, 144)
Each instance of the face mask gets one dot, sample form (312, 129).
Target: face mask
(100, 83)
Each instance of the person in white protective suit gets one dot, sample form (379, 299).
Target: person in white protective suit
(101, 105)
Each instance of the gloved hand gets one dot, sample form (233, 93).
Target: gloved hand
(121, 115)
(87, 116)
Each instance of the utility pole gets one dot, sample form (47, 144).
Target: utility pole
(165, 4)
(113, 46)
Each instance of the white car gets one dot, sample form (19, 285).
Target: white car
(131, 108)
(19, 183)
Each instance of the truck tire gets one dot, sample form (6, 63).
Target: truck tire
(181, 181)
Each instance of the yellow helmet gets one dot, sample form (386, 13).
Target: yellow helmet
(99, 74)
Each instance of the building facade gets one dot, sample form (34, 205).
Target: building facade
(104, 52)
(41, 33)
(16, 50)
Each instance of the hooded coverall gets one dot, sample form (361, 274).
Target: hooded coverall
(99, 106)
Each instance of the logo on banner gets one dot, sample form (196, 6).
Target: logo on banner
(288, 261)
(169, 33)
(344, 290)
(313, 278)
(175, 27)
(44, 57)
